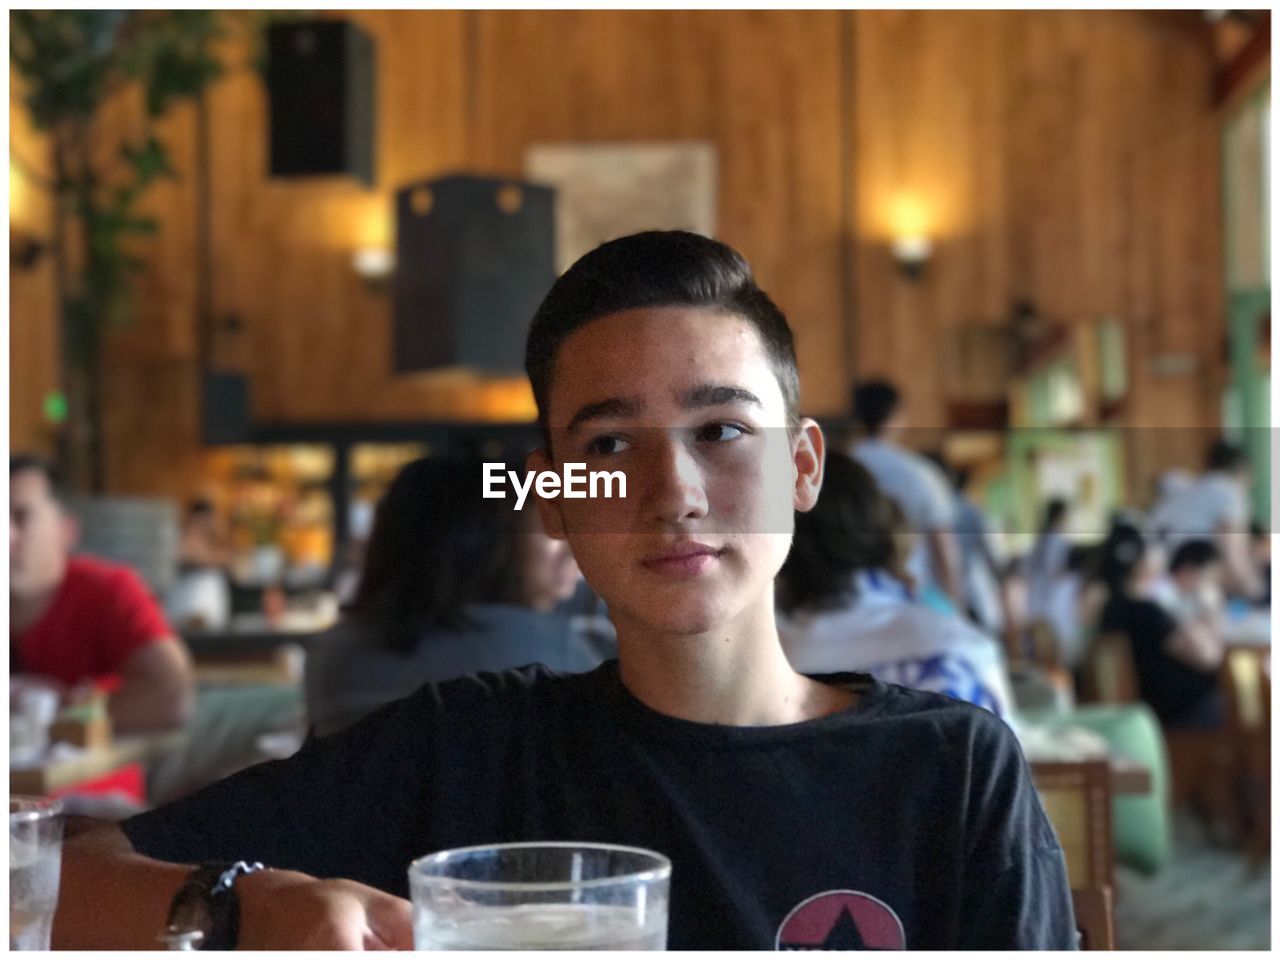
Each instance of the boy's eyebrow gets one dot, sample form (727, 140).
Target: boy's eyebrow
(613, 407)
(712, 394)
(703, 395)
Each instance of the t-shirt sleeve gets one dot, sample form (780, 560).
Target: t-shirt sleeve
(937, 502)
(1233, 508)
(133, 619)
(1016, 895)
(319, 811)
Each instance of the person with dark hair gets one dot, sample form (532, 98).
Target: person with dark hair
(1191, 590)
(1176, 663)
(204, 543)
(985, 599)
(453, 584)
(1047, 561)
(1214, 507)
(659, 357)
(200, 597)
(845, 608)
(917, 485)
(77, 622)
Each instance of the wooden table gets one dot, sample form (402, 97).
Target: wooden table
(92, 764)
(1128, 777)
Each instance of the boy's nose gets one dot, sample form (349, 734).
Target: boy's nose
(675, 489)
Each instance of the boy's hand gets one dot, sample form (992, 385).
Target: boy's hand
(284, 910)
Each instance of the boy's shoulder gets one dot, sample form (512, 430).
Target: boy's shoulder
(921, 717)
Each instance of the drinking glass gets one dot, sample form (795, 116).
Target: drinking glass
(35, 863)
(541, 896)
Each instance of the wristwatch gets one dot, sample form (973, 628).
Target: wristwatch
(205, 912)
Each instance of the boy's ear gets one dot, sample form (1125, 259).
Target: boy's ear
(808, 455)
(549, 510)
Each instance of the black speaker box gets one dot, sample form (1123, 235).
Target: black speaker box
(474, 258)
(321, 90)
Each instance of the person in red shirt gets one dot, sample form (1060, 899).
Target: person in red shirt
(76, 621)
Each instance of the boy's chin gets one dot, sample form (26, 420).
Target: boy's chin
(684, 619)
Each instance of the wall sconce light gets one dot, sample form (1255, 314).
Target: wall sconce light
(374, 265)
(25, 250)
(912, 253)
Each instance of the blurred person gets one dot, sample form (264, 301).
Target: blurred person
(1260, 553)
(1214, 507)
(453, 584)
(1047, 561)
(200, 596)
(847, 607)
(913, 482)
(1176, 662)
(77, 621)
(1191, 590)
(203, 544)
(656, 355)
(984, 599)
(1073, 604)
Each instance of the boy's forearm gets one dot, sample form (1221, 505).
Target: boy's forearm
(112, 897)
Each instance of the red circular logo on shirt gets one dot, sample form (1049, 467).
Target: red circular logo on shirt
(841, 920)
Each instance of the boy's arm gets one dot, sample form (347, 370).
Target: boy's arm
(113, 897)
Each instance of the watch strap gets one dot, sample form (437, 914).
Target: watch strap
(214, 885)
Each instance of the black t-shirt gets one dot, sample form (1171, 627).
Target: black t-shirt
(907, 820)
(1179, 694)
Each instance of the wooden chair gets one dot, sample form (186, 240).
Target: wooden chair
(1109, 673)
(1077, 799)
(1246, 687)
(1200, 761)
(1095, 918)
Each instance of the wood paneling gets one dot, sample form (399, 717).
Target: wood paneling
(33, 328)
(1068, 157)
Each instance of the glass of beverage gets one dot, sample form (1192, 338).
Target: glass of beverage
(35, 863)
(541, 896)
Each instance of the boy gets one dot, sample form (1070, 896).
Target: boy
(796, 811)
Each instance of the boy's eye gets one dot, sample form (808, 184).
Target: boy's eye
(720, 432)
(606, 445)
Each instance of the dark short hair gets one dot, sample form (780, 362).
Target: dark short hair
(874, 402)
(22, 462)
(437, 546)
(1055, 510)
(668, 268)
(1122, 551)
(200, 507)
(1196, 554)
(850, 528)
(1226, 457)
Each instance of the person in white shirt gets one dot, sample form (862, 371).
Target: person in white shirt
(1191, 590)
(842, 608)
(1215, 507)
(1047, 562)
(917, 485)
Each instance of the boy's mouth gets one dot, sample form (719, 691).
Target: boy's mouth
(689, 559)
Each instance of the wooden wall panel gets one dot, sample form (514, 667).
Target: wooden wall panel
(1069, 157)
(34, 343)
(1066, 157)
(763, 86)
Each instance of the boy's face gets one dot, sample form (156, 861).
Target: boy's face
(685, 402)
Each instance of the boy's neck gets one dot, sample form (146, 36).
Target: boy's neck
(737, 675)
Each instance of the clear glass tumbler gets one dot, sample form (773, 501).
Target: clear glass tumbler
(35, 865)
(541, 896)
